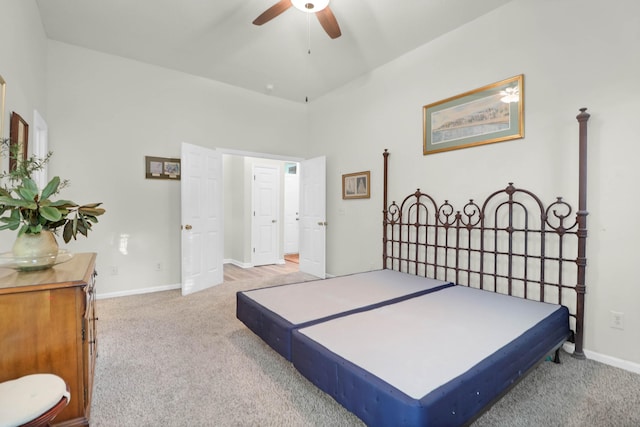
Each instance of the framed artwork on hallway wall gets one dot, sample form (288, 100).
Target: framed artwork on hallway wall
(162, 168)
(356, 185)
(489, 114)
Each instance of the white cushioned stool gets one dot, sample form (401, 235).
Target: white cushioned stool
(32, 400)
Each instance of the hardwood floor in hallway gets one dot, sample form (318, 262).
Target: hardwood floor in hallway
(233, 272)
(292, 257)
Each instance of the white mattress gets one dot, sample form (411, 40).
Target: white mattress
(303, 302)
(421, 343)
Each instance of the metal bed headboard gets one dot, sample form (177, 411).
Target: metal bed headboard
(510, 243)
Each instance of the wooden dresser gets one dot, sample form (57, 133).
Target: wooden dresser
(47, 324)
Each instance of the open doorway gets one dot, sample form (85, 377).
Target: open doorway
(261, 212)
(205, 204)
(291, 212)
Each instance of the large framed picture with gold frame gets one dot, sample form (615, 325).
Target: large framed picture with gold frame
(489, 114)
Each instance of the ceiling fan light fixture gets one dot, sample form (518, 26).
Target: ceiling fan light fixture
(310, 6)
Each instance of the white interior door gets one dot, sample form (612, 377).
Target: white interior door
(266, 215)
(291, 210)
(202, 219)
(313, 216)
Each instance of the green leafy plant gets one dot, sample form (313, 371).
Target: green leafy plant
(24, 207)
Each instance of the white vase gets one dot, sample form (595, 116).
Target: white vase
(35, 251)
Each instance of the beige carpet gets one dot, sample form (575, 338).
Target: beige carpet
(168, 360)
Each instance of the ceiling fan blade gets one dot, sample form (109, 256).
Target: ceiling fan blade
(329, 23)
(272, 12)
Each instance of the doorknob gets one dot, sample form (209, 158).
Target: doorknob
(188, 227)
(273, 221)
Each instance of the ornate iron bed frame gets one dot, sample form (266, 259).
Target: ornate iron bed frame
(511, 243)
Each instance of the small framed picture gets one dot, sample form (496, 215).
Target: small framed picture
(356, 185)
(162, 168)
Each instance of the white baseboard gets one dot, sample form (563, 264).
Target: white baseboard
(238, 263)
(165, 287)
(248, 264)
(607, 360)
(138, 291)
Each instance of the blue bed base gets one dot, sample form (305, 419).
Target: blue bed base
(457, 402)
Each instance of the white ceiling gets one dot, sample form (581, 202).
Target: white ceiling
(215, 39)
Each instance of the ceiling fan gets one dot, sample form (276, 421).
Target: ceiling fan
(319, 7)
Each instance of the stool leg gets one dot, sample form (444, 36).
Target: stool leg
(45, 419)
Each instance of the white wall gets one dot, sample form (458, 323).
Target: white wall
(23, 66)
(106, 113)
(234, 209)
(573, 53)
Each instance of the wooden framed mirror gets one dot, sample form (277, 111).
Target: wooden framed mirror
(19, 135)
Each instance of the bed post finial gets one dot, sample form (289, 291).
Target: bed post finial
(384, 209)
(386, 174)
(582, 213)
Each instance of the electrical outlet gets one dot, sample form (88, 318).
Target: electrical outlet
(616, 320)
(113, 270)
(158, 266)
